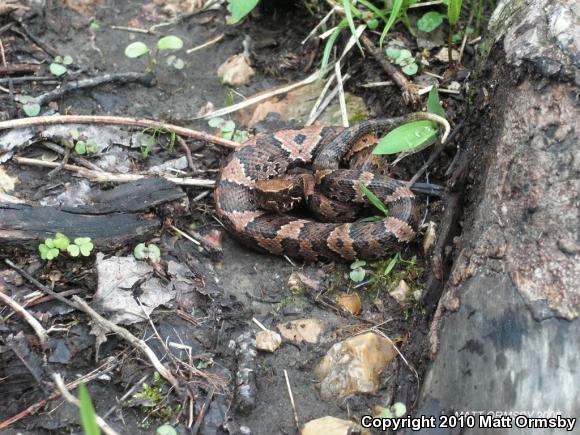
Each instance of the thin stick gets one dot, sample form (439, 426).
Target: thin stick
(314, 110)
(106, 367)
(35, 324)
(105, 324)
(133, 29)
(258, 98)
(108, 177)
(116, 120)
(183, 145)
(125, 396)
(320, 24)
(130, 338)
(257, 322)
(377, 84)
(206, 44)
(341, 98)
(76, 402)
(146, 79)
(327, 101)
(202, 413)
(184, 234)
(296, 421)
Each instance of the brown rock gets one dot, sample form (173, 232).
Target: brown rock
(354, 366)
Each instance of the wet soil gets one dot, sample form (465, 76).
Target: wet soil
(250, 284)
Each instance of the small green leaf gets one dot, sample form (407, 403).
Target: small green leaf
(165, 430)
(82, 240)
(178, 64)
(374, 199)
(86, 249)
(47, 253)
(404, 54)
(215, 122)
(228, 126)
(393, 53)
(136, 49)
(456, 38)
(88, 419)
(399, 409)
(373, 24)
(61, 241)
(58, 59)
(91, 146)
(67, 60)
(391, 265)
(170, 42)
(57, 69)
(385, 413)
(430, 21)
(410, 69)
(74, 134)
(357, 275)
(416, 134)
(94, 26)
(73, 250)
(49, 243)
(31, 109)
(240, 8)
(140, 252)
(434, 104)
(80, 148)
(154, 252)
(357, 264)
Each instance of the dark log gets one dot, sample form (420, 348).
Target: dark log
(24, 226)
(506, 333)
(111, 220)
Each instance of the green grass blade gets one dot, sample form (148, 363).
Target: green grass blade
(88, 419)
(392, 18)
(374, 199)
(350, 20)
(453, 11)
(434, 104)
(374, 9)
(413, 135)
(328, 47)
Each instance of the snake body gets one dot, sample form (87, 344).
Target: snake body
(272, 155)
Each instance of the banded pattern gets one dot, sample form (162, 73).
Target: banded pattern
(272, 155)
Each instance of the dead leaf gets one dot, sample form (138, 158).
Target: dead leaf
(235, 71)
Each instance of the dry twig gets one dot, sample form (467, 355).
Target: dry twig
(74, 401)
(108, 177)
(35, 324)
(116, 120)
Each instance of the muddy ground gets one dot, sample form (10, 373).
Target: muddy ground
(246, 284)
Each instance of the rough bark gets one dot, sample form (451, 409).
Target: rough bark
(506, 334)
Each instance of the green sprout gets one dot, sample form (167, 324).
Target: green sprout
(167, 43)
(228, 129)
(151, 252)
(59, 66)
(404, 58)
(51, 248)
(30, 105)
(80, 143)
(357, 272)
